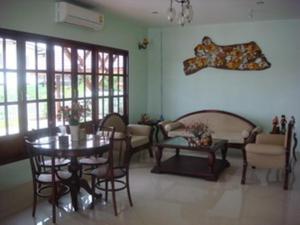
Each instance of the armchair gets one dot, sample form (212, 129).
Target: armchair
(134, 136)
(270, 151)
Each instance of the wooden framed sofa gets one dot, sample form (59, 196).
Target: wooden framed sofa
(225, 125)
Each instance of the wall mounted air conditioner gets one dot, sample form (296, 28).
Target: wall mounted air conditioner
(68, 13)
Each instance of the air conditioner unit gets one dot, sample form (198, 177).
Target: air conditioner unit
(68, 13)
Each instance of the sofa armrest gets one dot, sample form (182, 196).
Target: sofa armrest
(138, 129)
(164, 123)
(272, 139)
(251, 138)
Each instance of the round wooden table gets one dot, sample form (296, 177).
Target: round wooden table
(91, 145)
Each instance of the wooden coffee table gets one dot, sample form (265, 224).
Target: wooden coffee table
(208, 168)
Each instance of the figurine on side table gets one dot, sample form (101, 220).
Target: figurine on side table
(275, 122)
(283, 124)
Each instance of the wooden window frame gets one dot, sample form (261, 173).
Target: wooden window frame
(12, 146)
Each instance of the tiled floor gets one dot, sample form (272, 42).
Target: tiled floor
(176, 200)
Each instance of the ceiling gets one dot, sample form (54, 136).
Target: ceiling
(205, 11)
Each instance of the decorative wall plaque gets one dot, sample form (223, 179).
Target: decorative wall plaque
(246, 56)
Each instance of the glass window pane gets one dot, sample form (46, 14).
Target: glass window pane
(121, 106)
(1, 87)
(30, 86)
(88, 61)
(116, 105)
(58, 58)
(100, 62)
(115, 85)
(2, 121)
(88, 86)
(80, 60)
(58, 113)
(100, 108)
(67, 59)
(42, 85)
(106, 63)
(31, 116)
(121, 85)
(82, 103)
(41, 51)
(106, 107)
(58, 86)
(13, 119)
(43, 115)
(1, 53)
(121, 64)
(67, 86)
(88, 110)
(80, 86)
(115, 64)
(100, 85)
(106, 86)
(11, 54)
(30, 55)
(12, 84)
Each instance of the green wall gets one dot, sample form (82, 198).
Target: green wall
(37, 16)
(257, 95)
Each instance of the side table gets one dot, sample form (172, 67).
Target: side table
(154, 125)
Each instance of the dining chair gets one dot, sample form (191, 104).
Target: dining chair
(138, 136)
(135, 137)
(271, 151)
(45, 162)
(54, 179)
(113, 176)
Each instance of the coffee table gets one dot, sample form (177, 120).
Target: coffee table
(208, 167)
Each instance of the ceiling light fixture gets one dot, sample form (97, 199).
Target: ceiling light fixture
(185, 15)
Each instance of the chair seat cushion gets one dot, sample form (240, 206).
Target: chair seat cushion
(93, 160)
(101, 172)
(47, 177)
(265, 149)
(139, 141)
(58, 162)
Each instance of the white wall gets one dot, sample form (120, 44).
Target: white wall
(256, 95)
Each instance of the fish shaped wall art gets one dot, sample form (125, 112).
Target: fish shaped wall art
(246, 56)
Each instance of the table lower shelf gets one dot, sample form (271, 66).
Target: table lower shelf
(191, 166)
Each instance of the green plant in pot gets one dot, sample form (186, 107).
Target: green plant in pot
(73, 115)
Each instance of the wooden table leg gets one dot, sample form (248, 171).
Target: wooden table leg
(224, 152)
(177, 151)
(156, 133)
(158, 155)
(211, 161)
(75, 181)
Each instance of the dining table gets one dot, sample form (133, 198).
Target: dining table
(65, 147)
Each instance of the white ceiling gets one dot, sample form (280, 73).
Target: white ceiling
(205, 11)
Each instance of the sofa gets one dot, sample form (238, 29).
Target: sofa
(224, 125)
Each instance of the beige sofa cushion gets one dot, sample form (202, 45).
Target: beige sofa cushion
(265, 149)
(179, 132)
(232, 137)
(139, 140)
(273, 139)
(173, 126)
(265, 161)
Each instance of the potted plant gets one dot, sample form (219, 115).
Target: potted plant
(73, 115)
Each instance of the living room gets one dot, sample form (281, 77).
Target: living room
(158, 86)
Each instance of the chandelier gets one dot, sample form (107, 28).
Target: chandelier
(185, 15)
